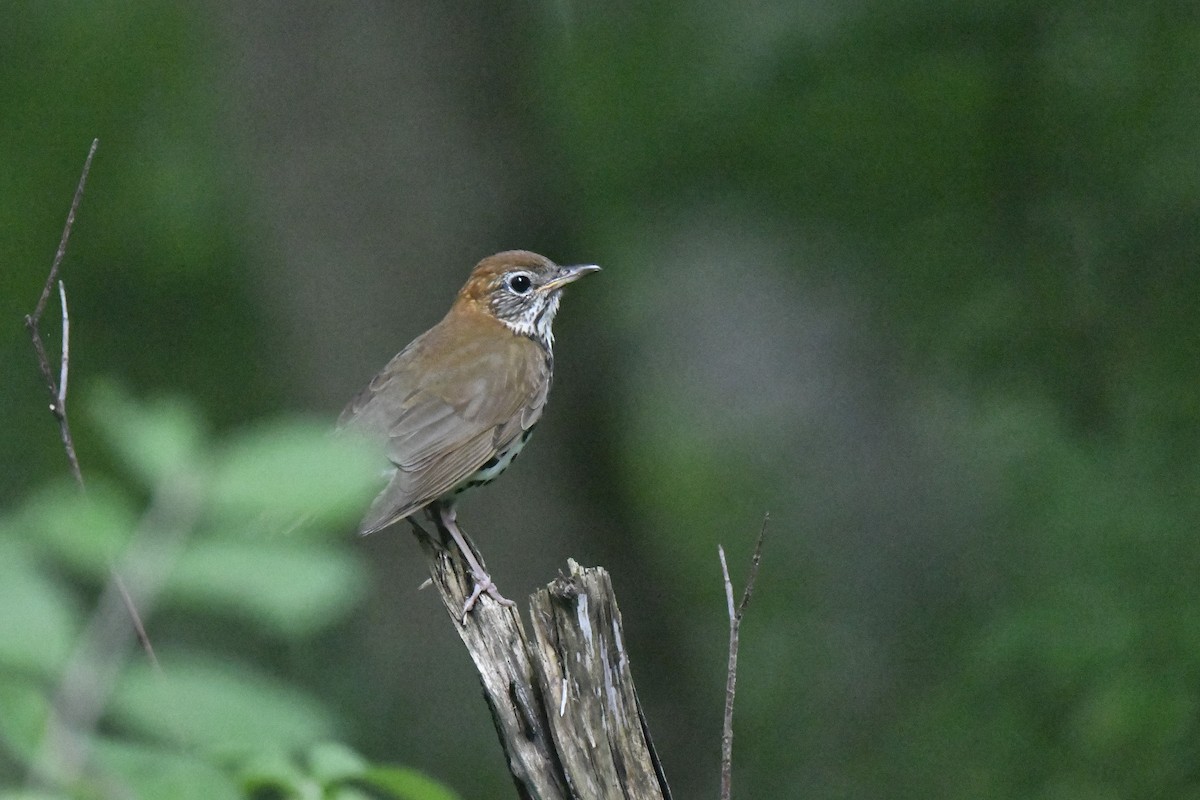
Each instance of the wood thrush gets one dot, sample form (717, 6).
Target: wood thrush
(455, 406)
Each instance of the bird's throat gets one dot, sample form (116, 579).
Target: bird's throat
(535, 321)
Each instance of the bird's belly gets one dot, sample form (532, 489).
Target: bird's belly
(492, 468)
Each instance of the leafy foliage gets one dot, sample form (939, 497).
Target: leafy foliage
(198, 723)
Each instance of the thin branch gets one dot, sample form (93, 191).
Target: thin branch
(138, 627)
(66, 351)
(728, 583)
(730, 685)
(735, 622)
(59, 407)
(88, 678)
(58, 390)
(754, 562)
(61, 253)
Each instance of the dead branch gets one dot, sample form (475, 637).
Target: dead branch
(89, 676)
(58, 389)
(735, 622)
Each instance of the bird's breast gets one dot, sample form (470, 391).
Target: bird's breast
(492, 468)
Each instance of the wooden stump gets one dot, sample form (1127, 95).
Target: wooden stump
(563, 703)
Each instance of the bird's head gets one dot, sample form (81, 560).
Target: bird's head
(521, 289)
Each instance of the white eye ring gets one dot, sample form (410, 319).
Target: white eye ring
(519, 283)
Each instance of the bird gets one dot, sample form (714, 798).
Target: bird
(453, 409)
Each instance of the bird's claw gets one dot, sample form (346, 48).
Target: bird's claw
(484, 585)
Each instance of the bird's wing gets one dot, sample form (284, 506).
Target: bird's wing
(438, 426)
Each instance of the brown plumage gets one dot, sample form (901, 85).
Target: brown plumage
(456, 405)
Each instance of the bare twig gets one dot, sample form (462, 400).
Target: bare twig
(61, 253)
(138, 627)
(88, 678)
(66, 351)
(58, 390)
(735, 621)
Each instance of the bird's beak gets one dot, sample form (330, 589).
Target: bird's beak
(567, 275)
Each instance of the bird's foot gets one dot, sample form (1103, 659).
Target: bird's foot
(483, 585)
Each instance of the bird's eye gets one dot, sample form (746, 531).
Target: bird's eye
(519, 283)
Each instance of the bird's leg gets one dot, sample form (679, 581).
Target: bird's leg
(483, 581)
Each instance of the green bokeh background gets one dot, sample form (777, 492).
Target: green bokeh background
(922, 279)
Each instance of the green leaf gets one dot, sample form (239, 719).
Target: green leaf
(275, 773)
(403, 783)
(38, 623)
(154, 439)
(24, 709)
(220, 706)
(293, 469)
(348, 792)
(87, 532)
(331, 762)
(148, 772)
(294, 588)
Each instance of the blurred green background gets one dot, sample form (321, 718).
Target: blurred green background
(920, 278)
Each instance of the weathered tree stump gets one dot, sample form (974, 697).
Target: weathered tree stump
(563, 703)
